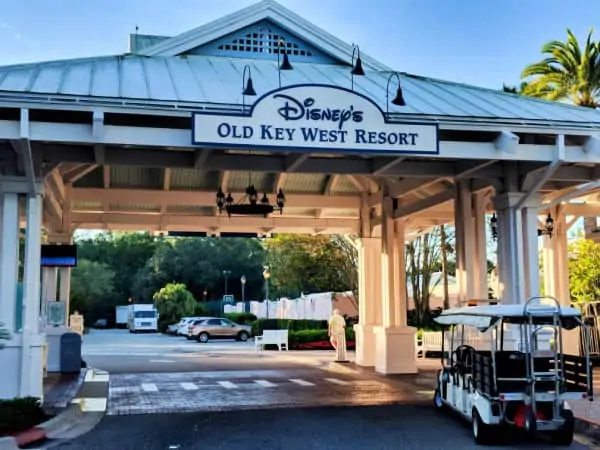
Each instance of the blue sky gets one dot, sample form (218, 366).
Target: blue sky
(482, 42)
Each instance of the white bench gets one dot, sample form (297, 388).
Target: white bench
(274, 337)
(431, 341)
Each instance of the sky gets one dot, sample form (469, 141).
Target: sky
(480, 42)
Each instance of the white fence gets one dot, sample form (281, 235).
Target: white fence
(309, 307)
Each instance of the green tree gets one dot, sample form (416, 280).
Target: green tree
(423, 257)
(569, 72)
(92, 290)
(125, 254)
(303, 263)
(584, 270)
(199, 264)
(173, 302)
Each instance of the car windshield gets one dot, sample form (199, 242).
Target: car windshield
(145, 314)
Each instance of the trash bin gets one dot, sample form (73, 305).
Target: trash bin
(70, 353)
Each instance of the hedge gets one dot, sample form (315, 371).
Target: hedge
(20, 414)
(241, 318)
(258, 326)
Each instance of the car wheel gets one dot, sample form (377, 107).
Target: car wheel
(243, 336)
(564, 435)
(203, 337)
(483, 434)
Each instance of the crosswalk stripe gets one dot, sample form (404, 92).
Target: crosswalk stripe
(336, 381)
(301, 382)
(227, 384)
(265, 383)
(189, 386)
(149, 387)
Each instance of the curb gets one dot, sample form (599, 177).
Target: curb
(588, 428)
(41, 431)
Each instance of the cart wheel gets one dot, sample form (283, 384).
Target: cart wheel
(530, 424)
(564, 435)
(483, 434)
(437, 400)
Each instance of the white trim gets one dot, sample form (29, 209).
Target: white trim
(264, 10)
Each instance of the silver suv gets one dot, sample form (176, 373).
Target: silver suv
(218, 328)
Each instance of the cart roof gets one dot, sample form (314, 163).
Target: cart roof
(485, 316)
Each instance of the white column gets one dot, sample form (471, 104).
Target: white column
(9, 259)
(531, 252)
(480, 275)
(394, 340)
(65, 289)
(369, 286)
(465, 244)
(510, 249)
(31, 358)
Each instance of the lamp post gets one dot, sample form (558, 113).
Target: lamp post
(204, 294)
(226, 274)
(266, 276)
(243, 281)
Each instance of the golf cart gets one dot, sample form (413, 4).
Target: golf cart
(518, 375)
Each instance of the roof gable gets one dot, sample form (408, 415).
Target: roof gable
(266, 10)
(262, 40)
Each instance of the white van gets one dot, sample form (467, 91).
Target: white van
(143, 318)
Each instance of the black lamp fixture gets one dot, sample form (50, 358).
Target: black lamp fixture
(247, 86)
(548, 227)
(285, 65)
(249, 204)
(357, 68)
(494, 226)
(399, 99)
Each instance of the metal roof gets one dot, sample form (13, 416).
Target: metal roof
(190, 81)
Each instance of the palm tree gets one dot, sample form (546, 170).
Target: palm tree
(568, 73)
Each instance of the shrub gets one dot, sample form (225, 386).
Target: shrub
(20, 414)
(241, 318)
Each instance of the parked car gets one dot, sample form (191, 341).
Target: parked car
(194, 323)
(216, 328)
(172, 329)
(101, 323)
(184, 323)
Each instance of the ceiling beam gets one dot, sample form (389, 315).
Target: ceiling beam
(106, 176)
(332, 183)
(427, 203)
(382, 166)
(408, 186)
(79, 172)
(279, 181)
(293, 163)
(200, 158)
(203, 198)
(193, 222)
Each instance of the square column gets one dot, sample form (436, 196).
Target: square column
(22, 356)
(531, 251)
(556, 272)
(480, 265)
(369, 304)
(9, 259)
(510, 249)
(464, 225)
(394, 340)
(518, 257)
